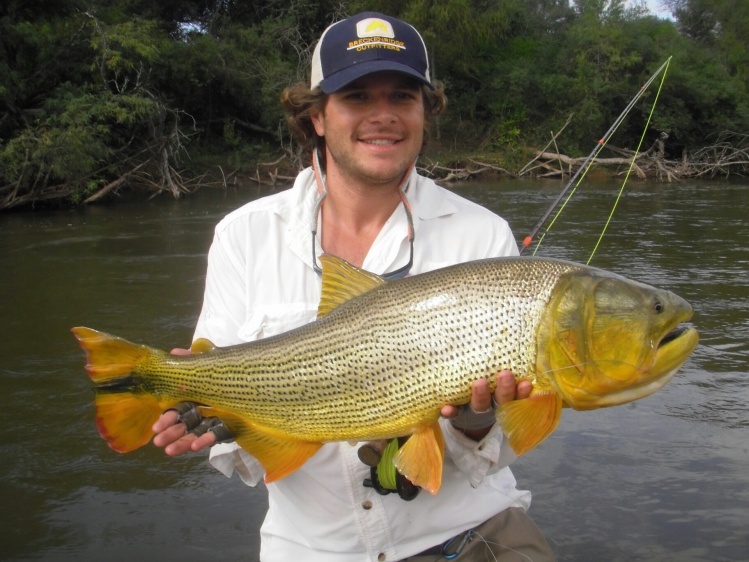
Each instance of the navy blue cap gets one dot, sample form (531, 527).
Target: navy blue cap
(366, 43)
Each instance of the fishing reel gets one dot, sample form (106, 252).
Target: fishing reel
(383, 476)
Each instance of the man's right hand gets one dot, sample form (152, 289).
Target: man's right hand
(173, 437)
(171, 434)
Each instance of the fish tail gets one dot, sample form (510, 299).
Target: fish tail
(125, 410)
(109, 358)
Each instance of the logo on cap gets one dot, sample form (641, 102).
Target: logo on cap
(374, 27)
(375, 33)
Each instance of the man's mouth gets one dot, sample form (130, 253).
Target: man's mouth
(380, 142)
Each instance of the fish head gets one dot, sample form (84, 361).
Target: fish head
(607, 340)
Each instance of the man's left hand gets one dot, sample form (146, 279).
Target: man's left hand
(481, 399)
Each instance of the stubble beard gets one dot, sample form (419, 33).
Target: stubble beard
(351, 169)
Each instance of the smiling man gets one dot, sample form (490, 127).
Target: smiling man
(363, 118)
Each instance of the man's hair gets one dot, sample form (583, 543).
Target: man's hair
(299, 103)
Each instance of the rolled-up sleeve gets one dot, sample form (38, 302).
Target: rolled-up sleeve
(477, 459)
(230, 458)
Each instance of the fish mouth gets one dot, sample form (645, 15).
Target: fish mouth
(671, 353)
(674, 334)
(674, 348)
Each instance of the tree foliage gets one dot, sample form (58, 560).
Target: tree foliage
(97, 93)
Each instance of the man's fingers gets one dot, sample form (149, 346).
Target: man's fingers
(169, 435)
(448, 411)
(181, 445)
(167, 419)
(506, 388)
(208, 439)
(481, 396)
(524, 389)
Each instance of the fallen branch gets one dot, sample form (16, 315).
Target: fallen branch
(112, 185)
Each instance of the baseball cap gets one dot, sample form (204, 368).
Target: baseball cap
(366, 43)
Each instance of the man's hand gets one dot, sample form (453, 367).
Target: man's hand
(173, 437)
(481, 399)
(171, 432)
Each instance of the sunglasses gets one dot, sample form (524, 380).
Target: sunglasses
(398, 273)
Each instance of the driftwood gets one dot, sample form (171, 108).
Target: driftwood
(728, 155)
(447, 174)
(152, 169)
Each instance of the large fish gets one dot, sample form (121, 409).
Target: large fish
(384, 357)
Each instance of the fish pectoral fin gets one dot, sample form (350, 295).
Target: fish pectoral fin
(279, 455)
(529, 421)
(420, 458)
(125, 419)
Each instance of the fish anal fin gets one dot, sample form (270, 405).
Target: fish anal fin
(529, 421)
(341, 282)
(124, 418)
(279, 454)
(420, 458)
(202, 345)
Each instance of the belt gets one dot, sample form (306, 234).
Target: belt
(451, 548)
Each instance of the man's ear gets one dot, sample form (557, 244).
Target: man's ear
(318, 122)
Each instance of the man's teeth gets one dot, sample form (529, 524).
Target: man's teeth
(380, 142)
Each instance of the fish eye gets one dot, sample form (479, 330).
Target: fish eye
(658, 307)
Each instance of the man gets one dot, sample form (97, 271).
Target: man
(363, 115)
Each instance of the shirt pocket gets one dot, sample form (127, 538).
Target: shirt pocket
(267, 320)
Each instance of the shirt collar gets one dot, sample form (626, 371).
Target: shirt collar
(427, 201)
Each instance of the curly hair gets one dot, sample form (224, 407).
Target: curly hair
(299, 102)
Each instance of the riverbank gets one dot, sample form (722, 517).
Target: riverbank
(272, 166)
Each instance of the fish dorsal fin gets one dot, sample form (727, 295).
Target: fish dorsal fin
(341, 282)
(202, 345)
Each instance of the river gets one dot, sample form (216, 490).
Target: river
(665, 478)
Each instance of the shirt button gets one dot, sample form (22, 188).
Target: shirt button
(366, 504)
(381, 557)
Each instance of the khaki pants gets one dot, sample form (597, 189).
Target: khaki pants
(509, 536)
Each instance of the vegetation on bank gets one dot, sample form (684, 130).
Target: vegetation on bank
(172, 95)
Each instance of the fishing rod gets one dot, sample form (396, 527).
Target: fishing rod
(528, 240)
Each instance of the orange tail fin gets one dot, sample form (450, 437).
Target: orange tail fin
(109, 358)
(125, 411)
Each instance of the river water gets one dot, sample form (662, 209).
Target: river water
(665, 478)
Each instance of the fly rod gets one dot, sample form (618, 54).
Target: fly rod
(584, 167)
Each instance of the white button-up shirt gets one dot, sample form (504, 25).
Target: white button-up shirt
(261, 282)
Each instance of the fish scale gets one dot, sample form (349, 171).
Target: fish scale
(367, 355)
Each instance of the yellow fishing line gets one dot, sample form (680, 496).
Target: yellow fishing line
(600, 146)
(632, 163)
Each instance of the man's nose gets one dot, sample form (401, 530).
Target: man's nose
(382, 109)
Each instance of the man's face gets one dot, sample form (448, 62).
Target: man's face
(373, 128)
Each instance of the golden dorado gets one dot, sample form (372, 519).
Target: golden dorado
(384, 357)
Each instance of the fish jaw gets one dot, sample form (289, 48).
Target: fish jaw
(607, 340)
(669, 359)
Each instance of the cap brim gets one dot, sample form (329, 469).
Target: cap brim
(339, 80)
